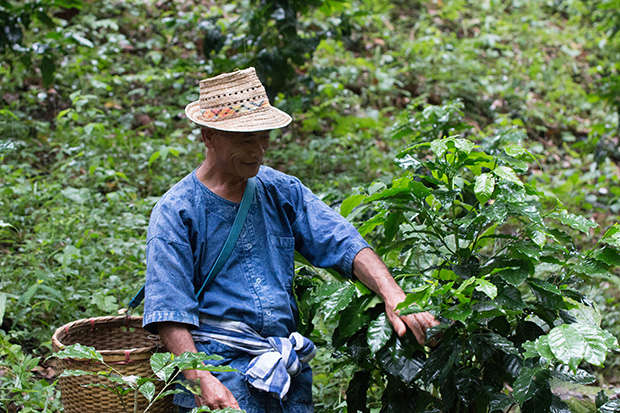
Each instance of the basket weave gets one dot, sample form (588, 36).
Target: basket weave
(126, 346)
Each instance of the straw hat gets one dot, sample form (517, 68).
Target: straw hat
(235, 102)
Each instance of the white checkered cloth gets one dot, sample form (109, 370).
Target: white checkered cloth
(276, 359)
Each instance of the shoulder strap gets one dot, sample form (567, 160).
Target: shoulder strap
(229, 244)
(242, 213)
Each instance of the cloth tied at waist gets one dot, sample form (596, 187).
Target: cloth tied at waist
(276, 359)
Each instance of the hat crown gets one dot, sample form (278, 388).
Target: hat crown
(241, 89)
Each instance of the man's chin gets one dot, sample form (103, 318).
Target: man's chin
(249, 171)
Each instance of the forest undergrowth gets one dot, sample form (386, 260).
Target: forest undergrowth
(92, 133)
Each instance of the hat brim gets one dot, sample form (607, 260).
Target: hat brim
(265, 118)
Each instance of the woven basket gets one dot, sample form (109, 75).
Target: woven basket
(126, 346)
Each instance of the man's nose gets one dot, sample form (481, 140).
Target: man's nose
(260, 147)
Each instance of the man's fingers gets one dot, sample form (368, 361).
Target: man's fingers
(397, 323)
(426, 319)
(415, 327)
(215, 395)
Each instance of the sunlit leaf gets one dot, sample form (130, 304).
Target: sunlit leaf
(612, 236)
(350, 203)
(596, 349)
(484, 187)
(161, 364)
(147, 390)
(379, 332)
(567, 344)
(439, 147)
(577, 222)
(508, 174)
(514, 150)
(79, 352)
(486, 287)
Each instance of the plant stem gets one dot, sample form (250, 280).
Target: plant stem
(168, 383)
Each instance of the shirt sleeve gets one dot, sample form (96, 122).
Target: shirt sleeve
(169, 293)
(323, 236)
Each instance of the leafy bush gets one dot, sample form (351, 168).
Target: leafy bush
(493, 257)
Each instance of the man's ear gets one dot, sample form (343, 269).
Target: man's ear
(206, 137)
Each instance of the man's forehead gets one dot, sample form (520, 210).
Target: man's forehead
(242, 135)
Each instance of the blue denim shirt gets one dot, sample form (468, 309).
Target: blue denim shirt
(187, 230)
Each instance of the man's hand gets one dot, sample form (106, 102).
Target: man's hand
(214, 394)
(369, 268)
(177, 339)
(418, 323)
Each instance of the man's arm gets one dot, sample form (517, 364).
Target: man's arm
(368, 267)
(177, 339)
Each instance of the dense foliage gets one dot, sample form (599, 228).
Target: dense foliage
(489, 254)
(92, 134)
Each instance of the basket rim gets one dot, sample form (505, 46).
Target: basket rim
(134, 352)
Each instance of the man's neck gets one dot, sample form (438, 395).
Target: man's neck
(227, 186)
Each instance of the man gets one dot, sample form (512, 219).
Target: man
(251, 299)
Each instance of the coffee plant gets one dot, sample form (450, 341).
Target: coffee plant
(166, 369)
(492, 257)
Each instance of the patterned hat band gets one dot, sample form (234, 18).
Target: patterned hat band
(213, 114)
(235, 102)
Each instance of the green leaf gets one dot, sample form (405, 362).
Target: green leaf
(458, 312)
(507, 174)
(439, 147)
(82, 40)
(538, 348)
(106, 303)
(464, 145)
(539, 238)
(484, 187)
(338, 301)
(544, 286)
(567, 344)
(77, 373)
(349, 204)
(529, 382)
(398, 360)
(79, 352)
(79, 195)
(500, 343)
(564, 373)
(612, 406)
(154, 156)
(379, 332)
(352, 319)
(510, 297)
(48, 67)
(596, 349)
(577, 222)
(148, 390)
(610, 341)
(514, 276)
(418, 189)
(161, 364)
(585, 314)
(608, 255)
(415, 296)
(514, 150)
(612, 236)
(486, 287)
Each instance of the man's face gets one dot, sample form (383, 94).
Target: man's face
(238, 153)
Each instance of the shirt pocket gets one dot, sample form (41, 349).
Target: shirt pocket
(283, 250)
